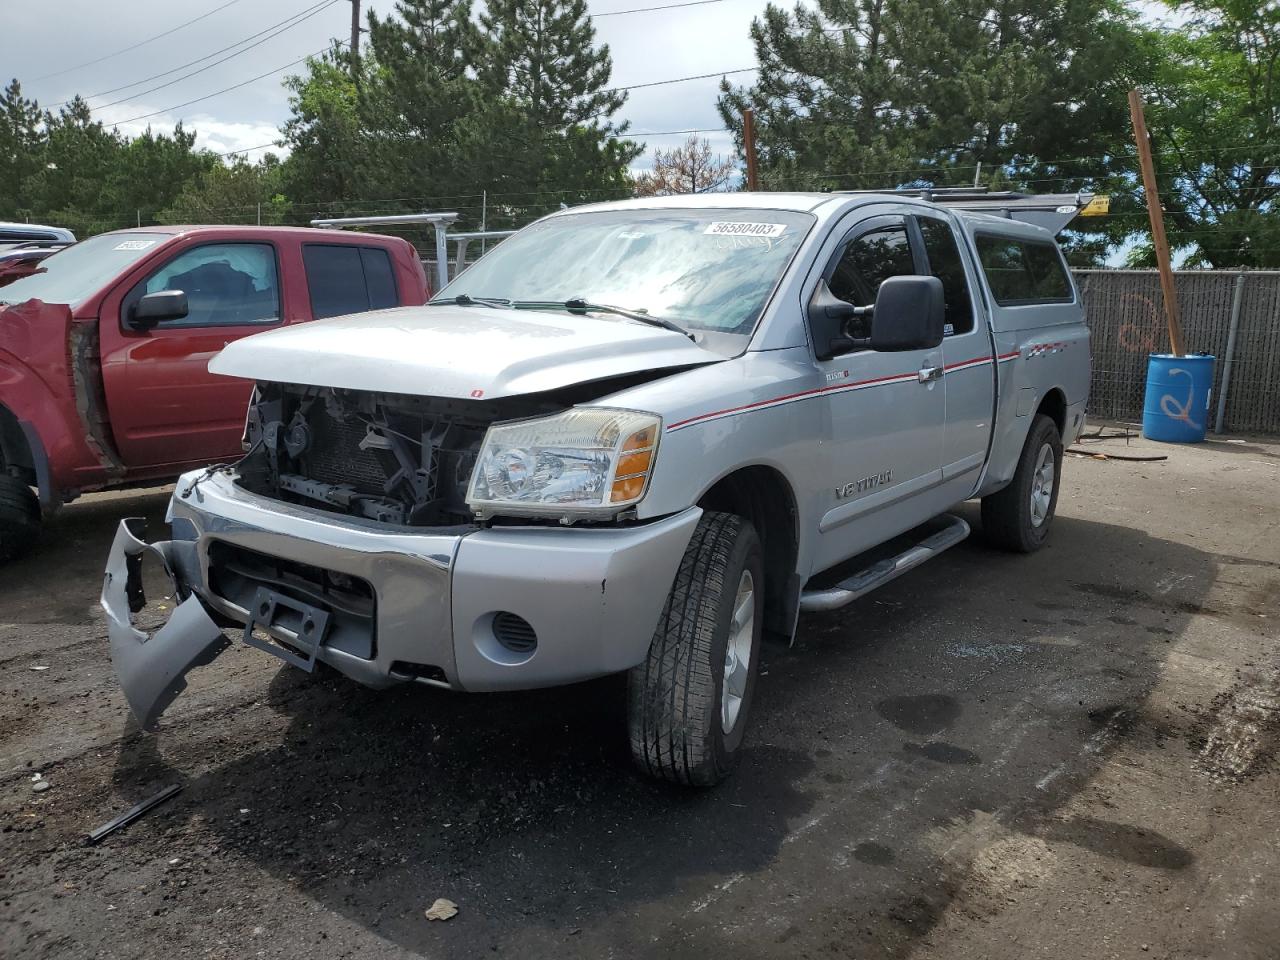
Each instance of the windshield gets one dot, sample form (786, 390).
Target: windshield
(706, 270)
(72, 274)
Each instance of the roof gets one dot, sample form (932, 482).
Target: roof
(11, 231)
(712, 201)
(245, 229)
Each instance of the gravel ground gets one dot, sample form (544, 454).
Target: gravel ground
(1065, 755)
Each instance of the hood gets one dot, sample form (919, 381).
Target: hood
(462, 352)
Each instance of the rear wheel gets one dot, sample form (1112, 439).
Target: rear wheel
(1018, 517)
(19, 517)
(688, 703)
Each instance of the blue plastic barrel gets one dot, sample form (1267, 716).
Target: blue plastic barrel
(1176, 408)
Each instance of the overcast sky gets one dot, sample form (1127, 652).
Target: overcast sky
(40, 41)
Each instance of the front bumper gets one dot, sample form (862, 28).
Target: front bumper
(592, 596)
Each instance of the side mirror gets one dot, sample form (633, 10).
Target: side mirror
(910, 314)
(828, 320)
(156, 307)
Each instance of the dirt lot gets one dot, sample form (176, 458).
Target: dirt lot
(1067, 755)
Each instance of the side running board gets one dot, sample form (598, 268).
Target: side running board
(881, 572)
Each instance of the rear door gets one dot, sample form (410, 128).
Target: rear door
(165, 405)
(344, 279)
(967, 349)
(886, 410)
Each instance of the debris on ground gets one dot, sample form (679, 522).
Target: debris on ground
(442, 909)
(133, 813)
(1099, 455)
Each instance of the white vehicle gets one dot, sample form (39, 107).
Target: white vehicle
(628, 440)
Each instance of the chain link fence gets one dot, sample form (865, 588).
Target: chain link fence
(1125, 313)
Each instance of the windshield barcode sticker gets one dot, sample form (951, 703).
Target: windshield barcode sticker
(727, 228)
(134, 245)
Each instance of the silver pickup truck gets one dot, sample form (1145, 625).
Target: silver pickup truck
(634, 437)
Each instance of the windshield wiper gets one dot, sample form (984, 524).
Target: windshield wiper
(580, 304)
(466, 300)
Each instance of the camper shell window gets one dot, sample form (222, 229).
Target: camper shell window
(1022, 272)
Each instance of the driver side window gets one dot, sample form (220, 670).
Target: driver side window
(868, 261)
(227, 284)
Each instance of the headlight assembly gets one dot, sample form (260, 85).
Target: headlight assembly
(587, 462)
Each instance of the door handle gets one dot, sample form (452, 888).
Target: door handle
(929, 374)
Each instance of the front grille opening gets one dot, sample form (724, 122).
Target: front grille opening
(514, 632)
(235, 574)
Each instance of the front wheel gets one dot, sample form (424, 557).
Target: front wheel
(1018, 517)
(19, 517)
(688, 702)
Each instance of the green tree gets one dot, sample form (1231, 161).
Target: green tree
(1214, 117)
(80, 156)
(422, 102)
(238, 192)
(556, 140)
(22, 143)
(329, 148)
(149, 171)
(875, 94)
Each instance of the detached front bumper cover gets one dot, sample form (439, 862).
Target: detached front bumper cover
(152, 669)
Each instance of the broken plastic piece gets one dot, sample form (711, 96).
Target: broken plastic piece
(152, 669)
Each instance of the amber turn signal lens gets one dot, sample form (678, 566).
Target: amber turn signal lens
(633, 463)
(627, 489)
(640, 440)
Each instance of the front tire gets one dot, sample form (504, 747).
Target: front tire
(1018, 517)
(19, 517)
(688, 703)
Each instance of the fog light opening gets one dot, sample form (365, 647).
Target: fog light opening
(515, 633)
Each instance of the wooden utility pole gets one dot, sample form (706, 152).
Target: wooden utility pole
(1154, 211)
(355, 41)
(749, 146)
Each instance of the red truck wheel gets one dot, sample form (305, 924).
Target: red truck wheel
(19, 517)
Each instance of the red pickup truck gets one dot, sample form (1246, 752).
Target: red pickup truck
(104, 352)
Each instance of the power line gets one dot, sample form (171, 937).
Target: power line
(663, 83)
(308, 11)
(673, 133)
(668, 6)
(142, 93)
(261, 146)
(234, 86)
(140, 43)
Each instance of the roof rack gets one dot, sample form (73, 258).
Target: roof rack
(1053, 211)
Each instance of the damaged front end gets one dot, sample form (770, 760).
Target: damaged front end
(152, 668)
(390, 458)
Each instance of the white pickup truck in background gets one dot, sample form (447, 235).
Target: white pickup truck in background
(634, 437)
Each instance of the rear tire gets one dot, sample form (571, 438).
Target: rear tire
(686, 720)
(1018, 517)
(19, 517)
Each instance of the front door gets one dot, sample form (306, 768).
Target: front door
(886, 410)
(165, 405)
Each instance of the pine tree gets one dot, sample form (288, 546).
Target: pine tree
(875, 94)
(21, 149)
(549, 79)
(420, 104)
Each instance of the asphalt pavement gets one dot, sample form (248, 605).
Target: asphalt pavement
(1065, 755)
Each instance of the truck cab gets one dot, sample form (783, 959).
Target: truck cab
(104, 350)
(634, 438)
